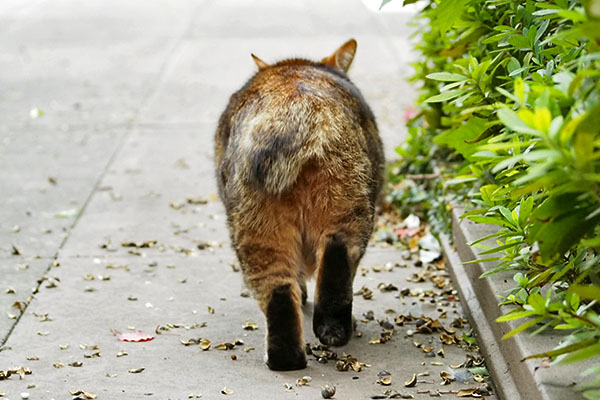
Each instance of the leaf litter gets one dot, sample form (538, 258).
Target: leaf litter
(21, 371)
(423, 325)
(430, 266)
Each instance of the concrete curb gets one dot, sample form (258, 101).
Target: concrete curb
(480, 297)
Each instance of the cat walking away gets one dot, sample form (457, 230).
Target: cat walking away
(299, 166)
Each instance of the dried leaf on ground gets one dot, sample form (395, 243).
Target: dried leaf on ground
(140, 245)
(250, 326)
(447, 377)
(385, 378)
(411, 382)
(305, 380)
(86, 395)
(21, 371)
(365, 292)
(348, 362)
(203, 343)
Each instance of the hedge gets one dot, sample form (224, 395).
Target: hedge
(508, 125)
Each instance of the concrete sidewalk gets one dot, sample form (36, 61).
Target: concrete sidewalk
(106, 125)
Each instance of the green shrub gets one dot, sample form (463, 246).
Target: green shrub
(512, 88)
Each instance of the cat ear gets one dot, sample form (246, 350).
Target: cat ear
(259, 63)
(342, 58)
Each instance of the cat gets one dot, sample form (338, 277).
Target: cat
(299, 165)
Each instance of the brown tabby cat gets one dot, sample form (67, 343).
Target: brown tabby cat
(299, 166)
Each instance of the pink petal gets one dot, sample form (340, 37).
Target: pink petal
(406, 232)
(410, 113)
(137, 336)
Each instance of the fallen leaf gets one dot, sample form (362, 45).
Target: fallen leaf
(250, 326)
(365, 292)
(385, 378)
(224, 346)
(348, 362)
(305, 380)
(21, 371)
(411, 382)
(87, 395)
(140, 245)
(137, 336)
(447, 377)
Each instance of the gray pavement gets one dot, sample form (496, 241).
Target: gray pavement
(107, 114)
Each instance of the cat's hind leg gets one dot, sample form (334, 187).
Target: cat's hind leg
(332, 318)
(270, 268)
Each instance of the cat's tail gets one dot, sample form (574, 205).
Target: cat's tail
(273, 148)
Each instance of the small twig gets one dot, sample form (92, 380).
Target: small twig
(584, 319)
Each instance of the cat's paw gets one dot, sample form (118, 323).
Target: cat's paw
(333, 331)
(289, 358)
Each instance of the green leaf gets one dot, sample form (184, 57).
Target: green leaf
(536, 301)
(499, 248)
(512, 65)
(591, 292)
(563, 350)
(592, 394)
(507, 94)
(482, 260)
(489, 220)
(446, 77)
(499, 268)
(558, 224)
(458, 139)
(471, 341)
(506, 213)
(519, 42)
(522, 327)
(583, 354)
(590, 121)
(510, 119)
(448, 13)
(511, 316)
(525, 208)
(444, 96)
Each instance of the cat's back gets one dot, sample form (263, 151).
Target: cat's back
(299, 92)
(290, 113)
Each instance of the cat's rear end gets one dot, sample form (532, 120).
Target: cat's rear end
(299, 166)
